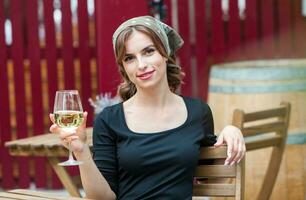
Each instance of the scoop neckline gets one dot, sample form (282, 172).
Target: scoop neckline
(159, 132)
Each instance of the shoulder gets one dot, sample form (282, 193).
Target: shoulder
(106, 120)
(109, 113)
(197, 104)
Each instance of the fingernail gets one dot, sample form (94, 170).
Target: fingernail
(226, 163)
(239, 161)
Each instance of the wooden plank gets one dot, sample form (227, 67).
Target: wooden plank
(38, 151)
(43, 194)
(67, 55)
(263, 128)
(168, 19)
(67, 48)
(251, 29)
(212, 152)
(240, 180)
(50, 52)
(267, 28)
(234, 51)
(38, 140)
(108, 77)
(47, 139)
(17, 57)
(263, 142)
(259, 115)
(285, 42)
(5, 129)
(7, 195)
(299, 30)
(185, 52)
(225, 171)
(201, 50)
(217, 32)
(33, 52)
(84, 56)
(214, 190)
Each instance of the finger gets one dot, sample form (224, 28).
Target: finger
(51, 116)
(73, 137)
(243, 152)
(70, 138)
(64, 143)
(239, 153)
(65, 134)
(230, 147)
(235, 150)
(54, 128)
(85, 114)
(220, 141)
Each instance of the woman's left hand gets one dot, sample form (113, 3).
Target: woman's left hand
(236, 149)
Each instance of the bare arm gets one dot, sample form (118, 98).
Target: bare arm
(95, 185)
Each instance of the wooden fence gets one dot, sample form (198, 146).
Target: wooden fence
(45, 56)
(32, 68)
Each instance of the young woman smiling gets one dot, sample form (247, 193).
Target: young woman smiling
(147, 147)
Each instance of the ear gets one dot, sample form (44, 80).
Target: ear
(165, 59)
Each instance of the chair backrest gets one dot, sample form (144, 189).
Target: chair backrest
(216, 179)
(262, 129)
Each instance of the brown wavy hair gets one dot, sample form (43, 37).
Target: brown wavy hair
(127, 88)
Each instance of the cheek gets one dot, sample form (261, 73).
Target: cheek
(128, 71)
(159, 61)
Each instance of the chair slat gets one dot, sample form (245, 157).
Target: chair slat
(276, 112)
(220, 190)
(263, 128)
(274, 140)
(213, 153)
(224, 171)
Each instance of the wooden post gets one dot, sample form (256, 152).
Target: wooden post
(5, 129)
(17, 52)
(33, 52)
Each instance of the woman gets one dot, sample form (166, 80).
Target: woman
(147, 147)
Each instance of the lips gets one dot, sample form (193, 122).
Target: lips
(146, 75)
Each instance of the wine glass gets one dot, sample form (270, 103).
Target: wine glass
(68, 114)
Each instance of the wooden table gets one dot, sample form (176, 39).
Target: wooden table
(33, 195)
(48, 145)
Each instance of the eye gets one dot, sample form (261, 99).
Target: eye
(127, 58)
(149, 51)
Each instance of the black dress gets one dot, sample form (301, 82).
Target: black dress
(151, 165)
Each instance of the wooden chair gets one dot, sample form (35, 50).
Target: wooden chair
(215, 175)
(262, 129)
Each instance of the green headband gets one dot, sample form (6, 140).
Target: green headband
(170, 39)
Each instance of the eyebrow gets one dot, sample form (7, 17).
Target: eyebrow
(144, 49)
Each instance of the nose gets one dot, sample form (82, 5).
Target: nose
(142, 64)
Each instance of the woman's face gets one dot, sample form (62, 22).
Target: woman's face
(144, 65)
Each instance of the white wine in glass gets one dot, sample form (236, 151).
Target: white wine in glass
(68, 114)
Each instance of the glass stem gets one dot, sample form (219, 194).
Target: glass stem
(70, 151)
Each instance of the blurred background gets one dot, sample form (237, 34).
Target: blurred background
(48, 45)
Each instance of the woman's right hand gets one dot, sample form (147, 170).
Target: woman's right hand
(77, 137)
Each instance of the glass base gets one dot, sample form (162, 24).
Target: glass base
(70, 163)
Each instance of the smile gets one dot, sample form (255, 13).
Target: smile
(146, 75)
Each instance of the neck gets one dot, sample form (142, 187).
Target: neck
(157, 97)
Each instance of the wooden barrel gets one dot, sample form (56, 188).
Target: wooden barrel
(256, 85)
